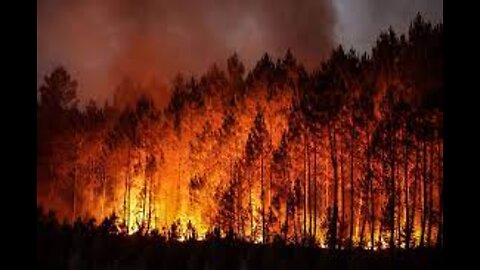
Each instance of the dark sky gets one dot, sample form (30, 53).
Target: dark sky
(101, 41)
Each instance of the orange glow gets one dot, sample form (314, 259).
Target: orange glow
(237, 154)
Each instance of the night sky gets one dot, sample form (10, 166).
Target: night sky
(100, 42)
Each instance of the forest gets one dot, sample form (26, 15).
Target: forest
(349, 155)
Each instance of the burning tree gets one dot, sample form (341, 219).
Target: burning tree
(349, 154)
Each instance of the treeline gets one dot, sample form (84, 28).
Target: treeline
(88, 245)
(350, 154)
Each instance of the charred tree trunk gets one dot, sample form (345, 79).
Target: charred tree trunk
(439, 241)
(144, 203)
(234, 197)
(363, 216)
(125, 200)
(371, 198)
(414, 191)
(288, 203)
(74, 201)
(127, 193)
(392, 192)
(362, 229)
(270, 212)
(155, 205)
(285, 228)
(372, 211)
(295, 223)
(239, 203)
(305, 189)
(251, 211)
(75, 168)
(352, 219)
(104, 183)
(424, 186)
(150, 202)
(406, 186)
(309, 194)
(334, 218)
(380, 228)
(177, 199)
(263, 199)
(129, 204)
(430, 197)
(315, 190)
(398, 206)
(342, 192)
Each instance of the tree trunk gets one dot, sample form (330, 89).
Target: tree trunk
(380, 228)
(398, 206)
(304, 188)
(371, 198)
(406, 186)
(414, 191)
(430, 197)
(125, 200)
(295, 223)
(424, 186)
(234, 197)
(150, 203)
(334, 217)
(251, 211)
(352, 219)
(127, 192)
(144, 203)
(74, 193)
(270, 212)
(285, 229)
(239, 203)
(177, 199)
(309, 195)
(104, 183)
(263, 202)
(314, 189)
(440, 196)
(372, 214)
(392, 191)
(129, 204)
(342, 191)
(362, 218)
(362, 228)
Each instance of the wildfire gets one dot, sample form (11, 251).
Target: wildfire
(344, 155)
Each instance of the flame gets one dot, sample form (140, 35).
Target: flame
(174, 195)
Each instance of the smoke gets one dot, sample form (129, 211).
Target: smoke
(360, 21)
(100, 42)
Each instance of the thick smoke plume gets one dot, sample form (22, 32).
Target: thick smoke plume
(100, 42)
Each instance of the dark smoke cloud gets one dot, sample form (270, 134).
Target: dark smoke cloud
(101, 41)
